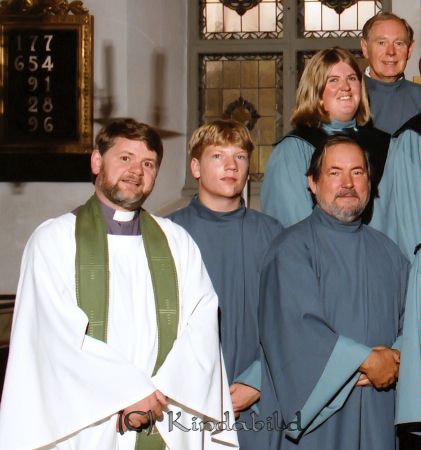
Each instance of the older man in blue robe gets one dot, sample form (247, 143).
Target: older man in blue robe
(331, 313)
(387, 44)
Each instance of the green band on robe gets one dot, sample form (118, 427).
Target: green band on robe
(92, 282)
(92, 268)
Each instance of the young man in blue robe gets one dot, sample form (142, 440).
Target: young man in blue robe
(232, 240)
(331, 309)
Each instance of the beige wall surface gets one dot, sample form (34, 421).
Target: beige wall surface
(411, 11)
(139, 70)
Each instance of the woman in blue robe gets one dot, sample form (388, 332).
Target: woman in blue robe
(331, 98)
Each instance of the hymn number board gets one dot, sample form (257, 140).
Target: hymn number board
(46, 91)
(42, 93)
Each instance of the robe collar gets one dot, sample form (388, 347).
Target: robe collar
(321, 218)
(336, 126)
(217, 216)
(121, 222)
(382, 86)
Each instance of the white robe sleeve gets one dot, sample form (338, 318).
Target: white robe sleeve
(193, 374)
(58, 380)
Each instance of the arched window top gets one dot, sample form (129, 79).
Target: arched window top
(253, 75)
(320, 19)
(261, 20)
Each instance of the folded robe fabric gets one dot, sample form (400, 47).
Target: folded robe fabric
(408, 401)
(397, 210)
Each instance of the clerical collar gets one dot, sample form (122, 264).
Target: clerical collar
(222, 216)
(123, 216)
(328, 221)
(123, 223)
(367, 74)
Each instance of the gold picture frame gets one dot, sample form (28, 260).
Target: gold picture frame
(46, 73)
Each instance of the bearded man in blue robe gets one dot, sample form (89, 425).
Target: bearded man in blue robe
(332, 296)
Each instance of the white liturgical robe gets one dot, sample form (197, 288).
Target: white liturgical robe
(63, 389)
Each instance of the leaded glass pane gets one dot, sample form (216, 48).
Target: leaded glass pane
(266, 102)
(232, 21)
(249, 74)
(215, 12)
(247, 88)
(317, 20)
(252, 95)
(263, 21)
(214, 74)
(267, 73)
(268, 17)
(229, 96)
(251, 20)
(349, 18)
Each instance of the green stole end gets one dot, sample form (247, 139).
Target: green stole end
(92, 285)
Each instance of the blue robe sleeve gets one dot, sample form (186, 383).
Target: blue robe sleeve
(397, 210)
(252, 376)
(408, 400)
(285, 193)
(313, 368)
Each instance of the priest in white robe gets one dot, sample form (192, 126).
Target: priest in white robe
(67, 390)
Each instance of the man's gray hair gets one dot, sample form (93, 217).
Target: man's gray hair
(383, 16)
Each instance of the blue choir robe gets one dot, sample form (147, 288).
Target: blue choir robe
(397, 210)
(285, 194)
(408, 400)
(232, 245)
(397, 213)
(329, 292)
(393, 104)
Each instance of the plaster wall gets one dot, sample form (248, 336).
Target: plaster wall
(128, 75)
(410, 10)
(157, 64)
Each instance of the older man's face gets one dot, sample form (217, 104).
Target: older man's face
(343, 188)
(387, 50)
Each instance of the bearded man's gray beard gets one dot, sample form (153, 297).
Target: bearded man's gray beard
(346, 215)
(116, 196)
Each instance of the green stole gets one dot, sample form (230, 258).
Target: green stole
(92, 283)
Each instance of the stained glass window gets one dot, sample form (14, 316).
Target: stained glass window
(221, 22)
(317, 20)
(247, 88)
(246, 64)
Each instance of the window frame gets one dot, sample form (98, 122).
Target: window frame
(289, 45)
